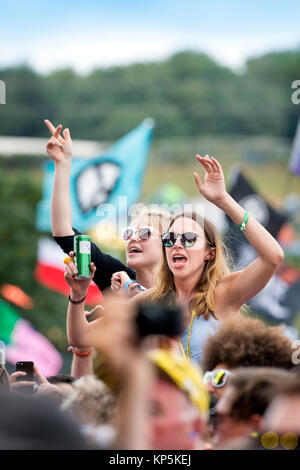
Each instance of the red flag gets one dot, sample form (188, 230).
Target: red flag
(50, 269)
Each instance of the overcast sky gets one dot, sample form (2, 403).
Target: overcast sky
(88, 34)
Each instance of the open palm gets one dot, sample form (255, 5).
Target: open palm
(59, 148)
(213, 188)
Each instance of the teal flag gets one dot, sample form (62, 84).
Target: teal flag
(101, 181)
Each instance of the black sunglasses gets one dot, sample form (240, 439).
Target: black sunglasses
(187, 239)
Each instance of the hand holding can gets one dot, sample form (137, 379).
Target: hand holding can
(82, 249)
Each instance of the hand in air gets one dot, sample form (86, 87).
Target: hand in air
(213, 188)
(77, 285)
(59, 148)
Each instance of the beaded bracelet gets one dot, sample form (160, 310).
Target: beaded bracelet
(242, 225)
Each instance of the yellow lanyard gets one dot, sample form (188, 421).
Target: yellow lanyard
(188, 348)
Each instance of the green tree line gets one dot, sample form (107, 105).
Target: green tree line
(189, 94)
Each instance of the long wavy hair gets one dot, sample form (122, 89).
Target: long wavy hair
(202, 301)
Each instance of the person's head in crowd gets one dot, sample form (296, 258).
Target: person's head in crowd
(239, 412)
(93, 405)
(51, 393)
(143, 238)
(64, 382)
(243, 342)
(35, 423)
(178, 403)
(283, 413)
(197, 254)
(91, 401)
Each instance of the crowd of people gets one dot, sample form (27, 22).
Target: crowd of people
(170, 360)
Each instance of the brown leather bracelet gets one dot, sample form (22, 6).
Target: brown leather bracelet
(77, 301)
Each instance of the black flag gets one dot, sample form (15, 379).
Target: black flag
(279, 301)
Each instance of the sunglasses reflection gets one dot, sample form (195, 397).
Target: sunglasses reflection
(143, 233)
(187, 239)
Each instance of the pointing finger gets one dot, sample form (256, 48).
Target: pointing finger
(49, 125)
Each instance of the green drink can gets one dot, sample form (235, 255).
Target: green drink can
(82, 248)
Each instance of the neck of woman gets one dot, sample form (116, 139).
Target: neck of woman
(184, 291)
(185, 287)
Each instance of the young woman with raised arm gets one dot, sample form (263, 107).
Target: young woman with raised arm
(195, 271)
(143, 237)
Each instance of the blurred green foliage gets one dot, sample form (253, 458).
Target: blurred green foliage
(20, 191)
(189, 94)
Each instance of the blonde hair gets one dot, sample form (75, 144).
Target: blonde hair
(202, 302)
(161, 218)
(91, 396)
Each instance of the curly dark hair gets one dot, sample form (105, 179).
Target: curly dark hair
(245, 341)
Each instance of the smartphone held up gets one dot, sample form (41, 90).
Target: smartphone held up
(28, 368)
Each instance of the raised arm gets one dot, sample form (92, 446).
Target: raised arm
(240, 286)
(119, 344)
(60, 150)
(78, 328)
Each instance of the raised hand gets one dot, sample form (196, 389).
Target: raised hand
(115, 335)
(78, 286)
(213, 188)
(59, 148)
(44, 385)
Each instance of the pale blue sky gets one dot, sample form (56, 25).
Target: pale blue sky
(86, 34)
